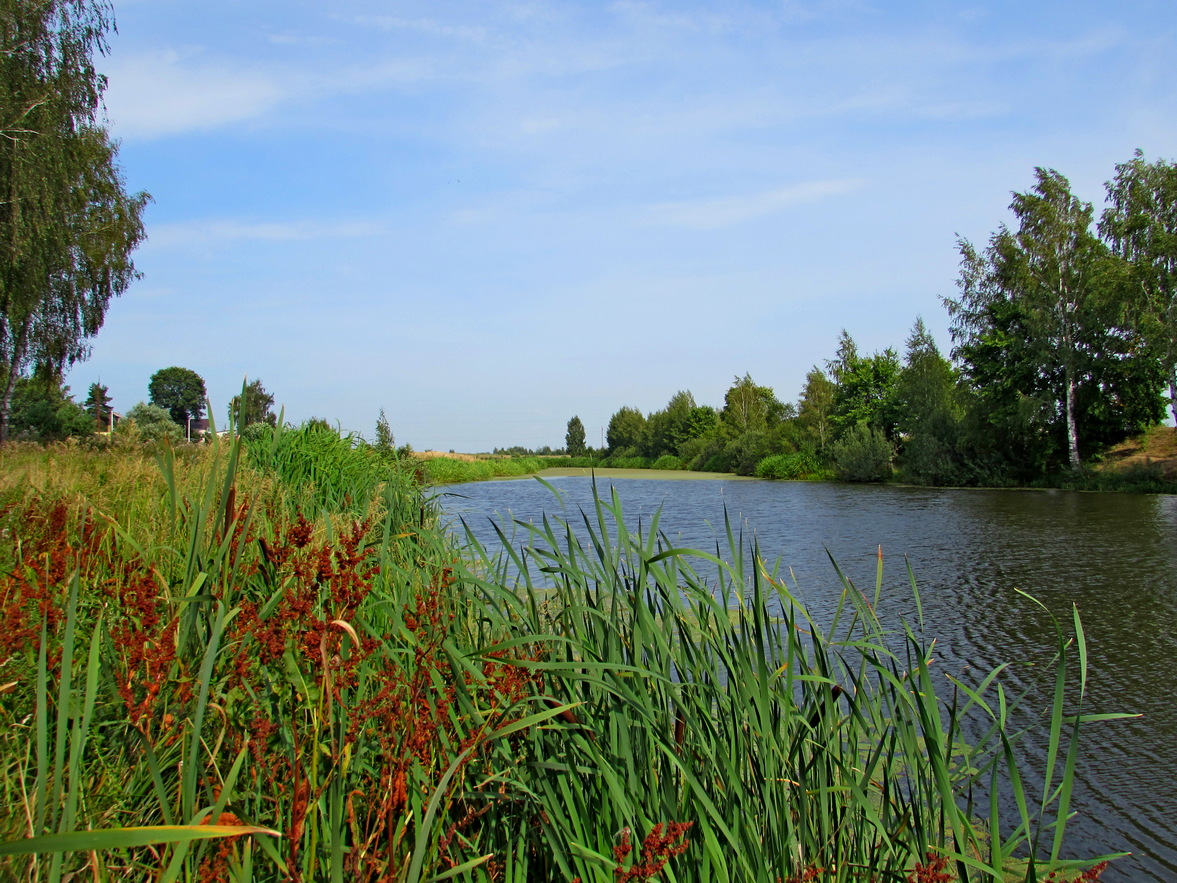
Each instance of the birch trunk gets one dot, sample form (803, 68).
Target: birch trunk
(1072, 426)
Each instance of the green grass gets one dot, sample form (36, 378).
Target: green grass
(265, 662)
(447, 470)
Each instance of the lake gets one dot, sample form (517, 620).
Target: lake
(1112, 555)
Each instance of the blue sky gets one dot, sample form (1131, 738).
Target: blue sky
(486, 217)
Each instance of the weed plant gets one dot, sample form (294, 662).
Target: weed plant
(266, 663)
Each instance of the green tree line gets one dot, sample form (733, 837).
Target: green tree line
(1064, 342)
(43, 409)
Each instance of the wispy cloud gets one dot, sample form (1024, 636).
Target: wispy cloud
(707, 214)
(164, 93)
(432, 27)
(205, 232)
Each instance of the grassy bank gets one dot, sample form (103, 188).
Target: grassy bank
(455, 469)
(266, 663)
(1144, 464)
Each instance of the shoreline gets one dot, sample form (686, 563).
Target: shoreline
(655, 474)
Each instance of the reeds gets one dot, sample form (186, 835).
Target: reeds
(267, 663)
(707, 694)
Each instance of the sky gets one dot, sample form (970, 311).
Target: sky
(487, 217)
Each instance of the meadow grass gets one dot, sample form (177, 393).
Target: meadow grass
(267, 662)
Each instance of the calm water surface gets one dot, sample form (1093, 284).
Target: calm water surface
(1112, 555)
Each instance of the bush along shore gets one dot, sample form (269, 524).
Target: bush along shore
(1142, 473)
(263, 661)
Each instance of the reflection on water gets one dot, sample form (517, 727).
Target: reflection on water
(1112, 555)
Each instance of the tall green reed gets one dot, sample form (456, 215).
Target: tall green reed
(706, 692)
(265, 667)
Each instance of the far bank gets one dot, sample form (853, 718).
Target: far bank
(1144, 464)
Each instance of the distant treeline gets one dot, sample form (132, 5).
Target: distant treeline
(1064, 339)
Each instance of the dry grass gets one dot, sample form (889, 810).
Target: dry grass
(1157, 447)
(465, 458)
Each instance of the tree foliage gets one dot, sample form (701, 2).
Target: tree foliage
(626, 429)
(748, 407)
(863, 453)
(152, 423)
(1140, 224)
(682, 420)
(384, 438)
(254, 405)
(68, 227)
(815, 410)
(867, 393)
(929, 411)
(179, 391)
(97, 405)
(924, 390)
(1038, 326)
(44, 411)
(574, 438)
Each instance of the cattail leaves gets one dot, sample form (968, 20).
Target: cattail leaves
(361, 697)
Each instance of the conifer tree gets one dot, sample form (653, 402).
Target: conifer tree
(97, 405)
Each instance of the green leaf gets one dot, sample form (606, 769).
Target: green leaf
(125, 838)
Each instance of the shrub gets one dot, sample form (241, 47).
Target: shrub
(745, 451)
(150, 423)
(928, 459)
(690, 450)
(862, 454)
(799, 464)
(668, 461)
(626, 463)
(716, 463)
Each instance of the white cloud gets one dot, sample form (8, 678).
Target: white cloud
(707, 214)
(651, 16)
(165, 93)
(290, 38)
(429, 26)
(188, 233)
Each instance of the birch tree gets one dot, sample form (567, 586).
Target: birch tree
(1054, 273)
(1140, 223)
(67, 225)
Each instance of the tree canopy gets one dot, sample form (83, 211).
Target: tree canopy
(97, 405)
(150, 423)
(749, 407)
(69, 226)
(816, 407)
(574, 438)
(179, 391)
(626, 429)
(1140, 224)
(44, 411)
(384, 437)
(252, 406)
(1037, 324)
